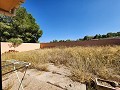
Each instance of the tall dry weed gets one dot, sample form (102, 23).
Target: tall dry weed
(84, 62)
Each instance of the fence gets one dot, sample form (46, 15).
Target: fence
(5, 47)
(102, 42)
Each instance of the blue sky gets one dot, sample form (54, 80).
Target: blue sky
(73, 19)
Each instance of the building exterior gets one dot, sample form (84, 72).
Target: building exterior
(8, 7)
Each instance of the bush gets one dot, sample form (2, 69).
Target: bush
(15, 41)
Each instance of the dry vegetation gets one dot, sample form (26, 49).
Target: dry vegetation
(84, 62)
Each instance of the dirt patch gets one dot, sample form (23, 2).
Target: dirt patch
(56, 78)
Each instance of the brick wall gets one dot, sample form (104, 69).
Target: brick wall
(82, 43)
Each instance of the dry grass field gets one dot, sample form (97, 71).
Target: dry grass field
(85, 63)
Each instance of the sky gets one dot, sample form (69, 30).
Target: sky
(74, 19)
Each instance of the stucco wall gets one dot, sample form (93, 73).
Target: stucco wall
(82, 43)
(5, 46)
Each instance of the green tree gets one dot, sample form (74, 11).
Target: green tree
(104, 36)
(80, 39)
(61, 40)
(68, 40)
(21, 26)
(88, 38)
(110, 34)
(96, 36)
(85, 38)
(118, 33)
(15, 42)
(54, 41)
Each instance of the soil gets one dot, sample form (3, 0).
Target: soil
(55, 78)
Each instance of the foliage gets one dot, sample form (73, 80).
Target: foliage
(61, 41)
(80, 39)
(21, 26)
(15, 41)
(68, 40)
(97, 36)
(87, 37)
(54, 41)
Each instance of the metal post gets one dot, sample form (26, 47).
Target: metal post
(18, 77)
(22, 78)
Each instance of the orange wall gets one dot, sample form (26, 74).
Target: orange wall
(23, 47)
(82, 43)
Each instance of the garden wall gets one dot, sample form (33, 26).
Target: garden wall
(5, 47)
(102, 42)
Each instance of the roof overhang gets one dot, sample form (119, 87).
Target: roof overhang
(8, 7)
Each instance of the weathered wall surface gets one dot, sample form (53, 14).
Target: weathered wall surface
(5, 47)
(82, 43)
